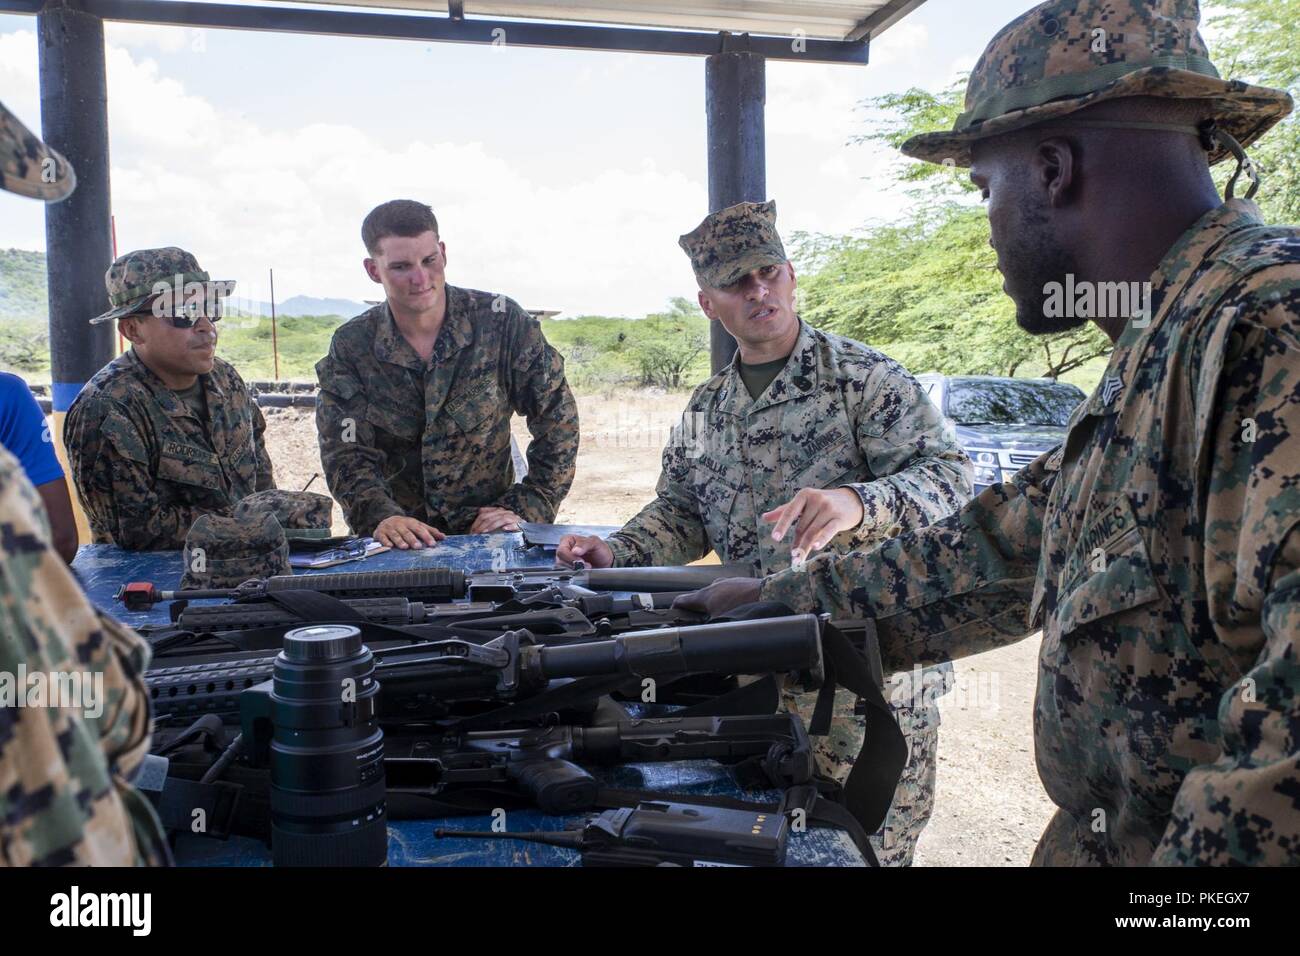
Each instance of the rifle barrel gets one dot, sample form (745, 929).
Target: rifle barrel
(764, 646)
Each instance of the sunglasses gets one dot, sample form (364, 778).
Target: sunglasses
(182, 317)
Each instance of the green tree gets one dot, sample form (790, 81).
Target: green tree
(927, 289)
(666, 346)
(1259, 41)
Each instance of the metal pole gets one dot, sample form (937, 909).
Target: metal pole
(78, 231)
(735, 94)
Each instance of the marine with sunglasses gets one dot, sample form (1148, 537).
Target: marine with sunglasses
(167, 431)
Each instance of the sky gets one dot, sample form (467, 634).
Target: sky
(559, 178)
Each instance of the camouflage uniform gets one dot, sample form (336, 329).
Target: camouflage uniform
(64, 796)
(1158, 548)
(382, 457)
(839, 414)
(146, 467)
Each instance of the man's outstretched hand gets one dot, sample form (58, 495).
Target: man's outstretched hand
(587, 548)
(721, 596)
(819, 516)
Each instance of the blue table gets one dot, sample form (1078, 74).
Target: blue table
(103, 568)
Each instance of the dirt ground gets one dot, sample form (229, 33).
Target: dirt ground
(989, 805)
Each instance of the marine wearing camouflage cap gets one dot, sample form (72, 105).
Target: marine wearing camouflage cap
(1065, 55)
(30, 168)
(133, 280)
(731, 243)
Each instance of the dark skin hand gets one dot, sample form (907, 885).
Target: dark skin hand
(63, 525)
(721, 596)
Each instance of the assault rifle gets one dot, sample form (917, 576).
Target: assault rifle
(554, 611)
(448, 584)
(454, 773)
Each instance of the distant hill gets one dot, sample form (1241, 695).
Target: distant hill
(22, 284)
(300, 305)
(22, 293)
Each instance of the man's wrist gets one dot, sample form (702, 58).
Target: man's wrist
(865, 496)
(620, 552)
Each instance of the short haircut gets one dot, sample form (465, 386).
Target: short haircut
(399, 217)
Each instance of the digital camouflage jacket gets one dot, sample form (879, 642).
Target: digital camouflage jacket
(65, 753)
(839, 414)
(146, 466)
(433, 443)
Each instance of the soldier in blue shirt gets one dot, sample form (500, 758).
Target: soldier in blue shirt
(26, 435)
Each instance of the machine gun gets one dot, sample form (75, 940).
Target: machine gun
(450, 683)
(447, 584)
(424, 681)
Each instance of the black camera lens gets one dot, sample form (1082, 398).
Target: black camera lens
(327, 752)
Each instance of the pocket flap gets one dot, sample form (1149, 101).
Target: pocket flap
(1110, 569)
(336, 378)
(403, 423)
(190, 465)
(480, 400)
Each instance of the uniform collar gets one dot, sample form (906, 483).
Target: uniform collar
(456, 333)
(797, 378)
(164, 396)
(1176, 269)
(1185, 255)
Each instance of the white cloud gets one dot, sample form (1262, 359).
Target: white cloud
(601, 236)
(141, 36)
(904, 42)
(245, 198)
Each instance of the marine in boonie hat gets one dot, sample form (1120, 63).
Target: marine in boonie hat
(136, 279)
(1065, 55)
(304, 515)
(30, 168)
(223, 551)
(731, 243)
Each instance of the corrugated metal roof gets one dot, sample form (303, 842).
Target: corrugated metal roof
(818, 19)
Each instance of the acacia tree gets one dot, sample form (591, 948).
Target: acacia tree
(927, 289)
(1259, 41)
(666, 346)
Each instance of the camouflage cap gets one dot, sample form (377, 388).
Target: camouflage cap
(730, 243)
(30, 168)
(1064, 55)
(132, 278)
(223, 551)
(304, 515)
